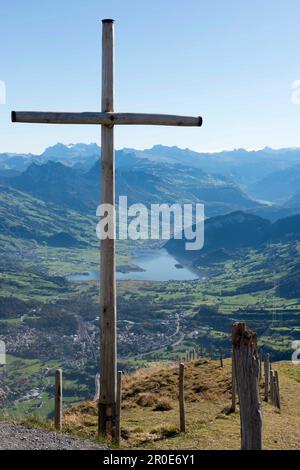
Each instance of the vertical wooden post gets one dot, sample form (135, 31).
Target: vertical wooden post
(187, 355)
(277, 390)
(272, 386)
(221, 358)
(274, 390)
(58, 400)
(247, 376)
(118, 411)
(266, 371)
(233, 386)
(108, 358)
(260, 368)
(181, 398)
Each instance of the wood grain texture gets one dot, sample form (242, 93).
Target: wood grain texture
(246, 364)
(108, 314)
(108, 118)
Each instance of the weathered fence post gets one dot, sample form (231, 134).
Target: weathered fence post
(266, 373)
(58, 400)
(246, 364)
(260, 368)
(277, 390)
(181, 398)
(233, 386)
(221, 358)
(118, 410)
(271, 386)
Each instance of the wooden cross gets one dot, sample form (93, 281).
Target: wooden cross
(107, 119)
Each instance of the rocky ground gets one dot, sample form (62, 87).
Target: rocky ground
(21, 437)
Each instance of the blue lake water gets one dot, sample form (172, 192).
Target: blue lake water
(157, 265)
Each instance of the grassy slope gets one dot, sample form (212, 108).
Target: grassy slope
(209, 426)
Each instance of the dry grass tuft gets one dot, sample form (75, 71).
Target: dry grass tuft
(147, 399)
(163, 404)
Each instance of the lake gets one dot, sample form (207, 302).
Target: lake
(157, 265)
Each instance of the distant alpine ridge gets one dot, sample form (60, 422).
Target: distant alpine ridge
(258, 172)
(265, 182)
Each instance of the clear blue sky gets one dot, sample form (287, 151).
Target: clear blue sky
(231, 61)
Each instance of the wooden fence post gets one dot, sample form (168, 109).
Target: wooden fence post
(118, 408)
(277, 389)
(260, 368)
(246, 363)
(58, 400)
(272, 386)
(275, 395)
(181, 398)
(233, 386)
(266, 373)
(221, 358)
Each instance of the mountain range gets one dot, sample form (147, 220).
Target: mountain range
(262, 184)
(267, 174)
(141, 180)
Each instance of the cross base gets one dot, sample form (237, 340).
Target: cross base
(107, 420)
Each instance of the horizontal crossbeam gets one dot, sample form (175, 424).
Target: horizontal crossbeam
(106, 119)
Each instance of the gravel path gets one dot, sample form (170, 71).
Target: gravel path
(21, 437)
